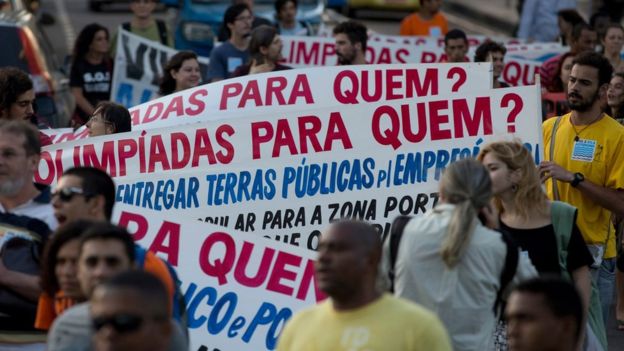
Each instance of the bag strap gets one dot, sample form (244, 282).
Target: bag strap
(509, 269)
(162, 31)
(396, 233)
(552, 151)
(126, 26)
(563, 217)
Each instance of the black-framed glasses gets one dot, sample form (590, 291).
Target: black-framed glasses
(122, 323)
(67, 194)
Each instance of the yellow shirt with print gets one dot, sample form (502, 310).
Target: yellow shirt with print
(389, 323)
(600, 158)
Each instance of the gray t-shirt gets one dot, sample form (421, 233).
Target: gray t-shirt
(71, 331)
(224, 59)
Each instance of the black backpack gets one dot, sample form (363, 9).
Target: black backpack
(509, 270)
(162, 30)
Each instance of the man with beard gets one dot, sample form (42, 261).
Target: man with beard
(584, 165)
(25, 214)
(493, 52)
(351, 38)
(356, 316)
(265, 52)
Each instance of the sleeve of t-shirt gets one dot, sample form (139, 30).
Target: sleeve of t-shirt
(578, 253)
(216, 67)
(615, 169)
(45, 312)
(76, 78)
(433, 337)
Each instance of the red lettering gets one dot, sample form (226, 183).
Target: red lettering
(301, 88)
(180, 150)
(175, 105)
(126, 148)
(107, 163)
(227, 154)
(401, 55)
(429, 86)
(336, 131)
(306, 281)
(257, 138)
(309, 133)
(329, 51)
(221, 267)
(126, 218)
(392, 84)
(229, 91)
(275, 86)
(240, 272)
(252, 92)
(283, 137)
(196, 102)
(202, 147)
(436, 119)
(421, 124)
(482, 115)
(168, 231)
(377, 85)
(304, 57)
(153, 112)
(280, 272)
(158, 154)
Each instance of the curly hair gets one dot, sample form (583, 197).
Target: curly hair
(13, 83)
(85, 38)
(482, 52)
(167, 82)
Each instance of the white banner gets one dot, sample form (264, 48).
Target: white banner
(287, 174)
(139, 66)
(240, 288)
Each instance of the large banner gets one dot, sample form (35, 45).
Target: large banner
(285, 175)
(139, 66)
(240, 289)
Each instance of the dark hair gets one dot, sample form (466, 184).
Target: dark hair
(63, 235)
(556, 84)
(611, 26)
(368, 237)
(107, 231)
(261, 36)
(571, 16)
(594, 18)
(355, 31)
(455, 34)
(167, 83)
(280, 3)
(117, 115)
(150, 289)
(230, 15)
(32, 144)
(13, 83)
(560, 296)
(486, 48)
(96, 182)
(85, 38)
(579, 28)
(596, 60)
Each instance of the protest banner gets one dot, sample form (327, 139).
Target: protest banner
(316, 51)
(555, 104)
(536, 51)
(520, 71)
(239, 289)
(286, 174)
(139, 66)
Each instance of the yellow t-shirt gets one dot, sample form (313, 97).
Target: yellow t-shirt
(389, 323)
(599, 156)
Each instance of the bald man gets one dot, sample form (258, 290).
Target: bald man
(356, 316)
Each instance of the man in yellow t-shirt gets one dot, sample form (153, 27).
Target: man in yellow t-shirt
(428, 21)
(356, 316)
(587, 162)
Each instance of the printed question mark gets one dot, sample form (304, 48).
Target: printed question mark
(460, 81)
(515, 111)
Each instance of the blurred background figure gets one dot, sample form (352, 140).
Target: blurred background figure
(456, 46)
(286, 19)
(265, 52)
(180, 73)
(612, 42)
(538, 21)
(560, 81)
(428, 21)
(567, 19)
(351, 38)
(109, 118)
(91, 72)
(493, 52)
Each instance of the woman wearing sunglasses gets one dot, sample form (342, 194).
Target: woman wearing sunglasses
(109, 118)
(58, 272)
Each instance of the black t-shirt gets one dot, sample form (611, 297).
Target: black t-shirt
(95, 81)
(541, 244)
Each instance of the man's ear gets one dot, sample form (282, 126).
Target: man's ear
(33, 162)
(96, 205)
(603, 90)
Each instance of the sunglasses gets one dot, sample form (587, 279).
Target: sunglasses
(67, 194)
(122, 323)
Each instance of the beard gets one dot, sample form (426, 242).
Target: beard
(11, 187)
(582, 105)
(346, 58)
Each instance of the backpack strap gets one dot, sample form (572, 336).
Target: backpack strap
(162, 31)
(509, 269)
(139, 256)
(396, 233)
(126, 26)
(551, 153)
(563, 217)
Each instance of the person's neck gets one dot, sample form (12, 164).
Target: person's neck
(27, 193)
(94, 57)
(142, 23)
(594, 114)
(355, 301)
(359, 60)
(496, 83)
(288, 25)
(239, 42)
(425, 14)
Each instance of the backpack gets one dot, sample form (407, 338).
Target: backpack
(162, 30)
(509, 269)
(179, 304)
(563, 217)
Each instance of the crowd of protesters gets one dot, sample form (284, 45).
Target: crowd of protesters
(515, 255)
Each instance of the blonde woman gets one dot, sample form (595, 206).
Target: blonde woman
(534, 222)
(450, 263)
